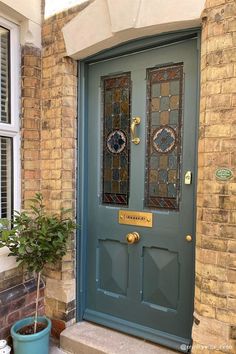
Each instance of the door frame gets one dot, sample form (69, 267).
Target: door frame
(132, 47)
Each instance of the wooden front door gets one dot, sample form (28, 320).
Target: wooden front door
(141, 146)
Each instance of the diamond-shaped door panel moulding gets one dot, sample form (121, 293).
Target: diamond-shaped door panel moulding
(113, 267)
(160, 277)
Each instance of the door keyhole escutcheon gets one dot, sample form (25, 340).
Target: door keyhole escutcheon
(135, 121)
(132, 237)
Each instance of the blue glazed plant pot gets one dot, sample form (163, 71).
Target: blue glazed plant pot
(37, 343)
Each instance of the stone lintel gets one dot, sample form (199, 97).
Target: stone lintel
(107, 23)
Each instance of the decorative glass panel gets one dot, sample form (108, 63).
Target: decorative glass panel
(4, 75)
(164, 102)
(116, 139)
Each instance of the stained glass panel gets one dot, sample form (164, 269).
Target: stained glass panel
(164, 102)
(116, 137)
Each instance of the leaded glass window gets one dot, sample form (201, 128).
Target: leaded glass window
(164, 113)
(116, 139)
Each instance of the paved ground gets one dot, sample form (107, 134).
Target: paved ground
(54, 348)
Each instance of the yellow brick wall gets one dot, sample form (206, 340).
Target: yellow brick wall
(30, 121)
(215, 289)
(58, 155)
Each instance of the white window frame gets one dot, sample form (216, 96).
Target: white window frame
(12, 129)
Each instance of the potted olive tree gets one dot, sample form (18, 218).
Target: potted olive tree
(35, 238)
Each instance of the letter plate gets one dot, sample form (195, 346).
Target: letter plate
(136, 218)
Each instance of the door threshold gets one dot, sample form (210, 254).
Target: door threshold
(86, 337)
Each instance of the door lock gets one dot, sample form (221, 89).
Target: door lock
(132, 237)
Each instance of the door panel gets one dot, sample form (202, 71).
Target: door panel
(160, 278)
(146, 286)
(113, 267)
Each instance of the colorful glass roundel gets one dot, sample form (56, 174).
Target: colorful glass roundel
(164, 140)
(116, 141)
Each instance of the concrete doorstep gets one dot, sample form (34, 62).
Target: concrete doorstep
(88, 338)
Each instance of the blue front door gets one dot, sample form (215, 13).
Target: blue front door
(141, 159)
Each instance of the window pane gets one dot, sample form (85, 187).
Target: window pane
(4, 74)
(6, 177)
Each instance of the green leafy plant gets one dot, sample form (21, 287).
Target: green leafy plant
(36, 238)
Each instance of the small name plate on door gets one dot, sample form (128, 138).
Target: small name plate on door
(137, 218)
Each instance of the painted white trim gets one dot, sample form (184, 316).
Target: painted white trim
(30, 31)
(9, 129)
(16, 173)
(23, 9)
(9, 25)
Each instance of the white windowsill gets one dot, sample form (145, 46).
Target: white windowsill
(6, 263)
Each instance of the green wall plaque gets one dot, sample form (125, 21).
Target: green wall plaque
(223, 174)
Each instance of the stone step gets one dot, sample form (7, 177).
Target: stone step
(88, 338)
